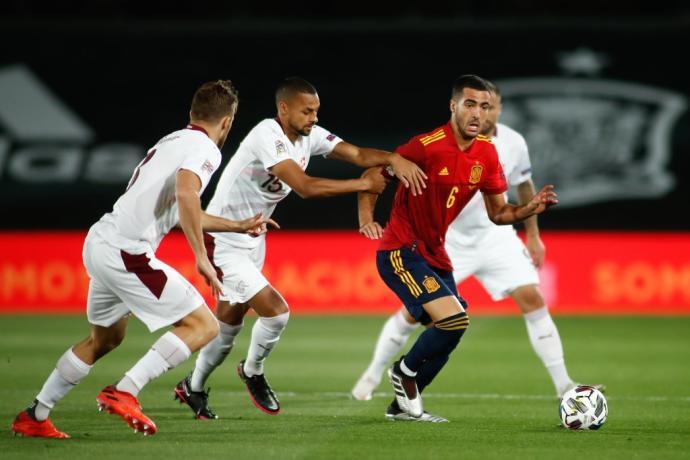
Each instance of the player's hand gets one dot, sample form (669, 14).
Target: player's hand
(254, 226)
(204, 267)
(536, 249)
(409, 173)
(376, 182)
(372, 230)
(544, 199)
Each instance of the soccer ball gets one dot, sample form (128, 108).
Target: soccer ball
(583, 408)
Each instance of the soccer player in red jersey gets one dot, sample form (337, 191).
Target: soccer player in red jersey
(411, 257)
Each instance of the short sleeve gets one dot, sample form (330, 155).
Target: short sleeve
(268, 145)
(322, 141)
(495, 182)
(413, 151)
(523, 167)
(203, 162)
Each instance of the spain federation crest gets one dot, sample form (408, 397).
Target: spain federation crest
(476, 173)
(598, 139)
(430, 284)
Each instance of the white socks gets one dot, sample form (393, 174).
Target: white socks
(68, 372)
(406, 370)
(265, 334)
(168, 352)
(547, 344)
(213, 354)
(392, 339)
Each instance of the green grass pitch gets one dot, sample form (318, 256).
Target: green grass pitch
(494, 390)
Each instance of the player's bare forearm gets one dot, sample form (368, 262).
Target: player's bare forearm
(534, 244)
(363, 157)
(317, 187)
(253, 226)
(502, 213)
(409, 173)
(525, 192)
(189, 208)
(366, 204)
(211, 223)
(510, 214)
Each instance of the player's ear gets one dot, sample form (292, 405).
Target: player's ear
(226, 122)
(282, 107)
(452, 105)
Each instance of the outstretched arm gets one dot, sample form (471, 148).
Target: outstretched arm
(366, 204)
(502, 213)
(537, 251)
(187, 187)
(316, 187)
(253, 226)
(408, 172)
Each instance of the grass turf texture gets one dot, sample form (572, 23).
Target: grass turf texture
(494, 390)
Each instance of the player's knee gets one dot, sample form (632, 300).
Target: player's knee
(453, 328)
(232, 314)
(275, 323)
(269, 303)
(528, 298)
(279, 306)
(210, 329)
(455, 323)
(275, 310)
(102, 345)
(204, 325)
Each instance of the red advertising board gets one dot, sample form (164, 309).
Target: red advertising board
(334, 272)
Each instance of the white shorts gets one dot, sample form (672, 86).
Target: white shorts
(500, 262)
(123, 283)
(239, 269)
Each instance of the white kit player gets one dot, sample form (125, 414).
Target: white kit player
(496, 256)
(269, 163)
(127, 278)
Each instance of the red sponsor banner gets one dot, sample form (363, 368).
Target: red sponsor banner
(334, 272)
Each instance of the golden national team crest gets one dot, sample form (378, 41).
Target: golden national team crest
(476, 173)
(430, 284)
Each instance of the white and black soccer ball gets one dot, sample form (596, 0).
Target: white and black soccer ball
(583, 408)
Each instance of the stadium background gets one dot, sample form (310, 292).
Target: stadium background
(602, 101)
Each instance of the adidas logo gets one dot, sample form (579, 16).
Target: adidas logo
(443, 172)
(42, 141)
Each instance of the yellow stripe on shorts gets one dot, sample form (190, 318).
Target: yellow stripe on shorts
(404, 275)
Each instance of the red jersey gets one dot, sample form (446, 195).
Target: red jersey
(454, 176)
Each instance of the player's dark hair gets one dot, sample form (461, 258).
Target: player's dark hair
(493, 87)
(291, 86)
(468, 81)
(214, 100)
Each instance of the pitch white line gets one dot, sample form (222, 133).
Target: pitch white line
(498, 396)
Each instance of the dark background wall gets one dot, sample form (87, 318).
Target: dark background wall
(601, 98)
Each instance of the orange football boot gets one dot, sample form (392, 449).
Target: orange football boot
(26, 425)
(127, 407)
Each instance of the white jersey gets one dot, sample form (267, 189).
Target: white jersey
(473, 223)
(146, 212)
(247, 186)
